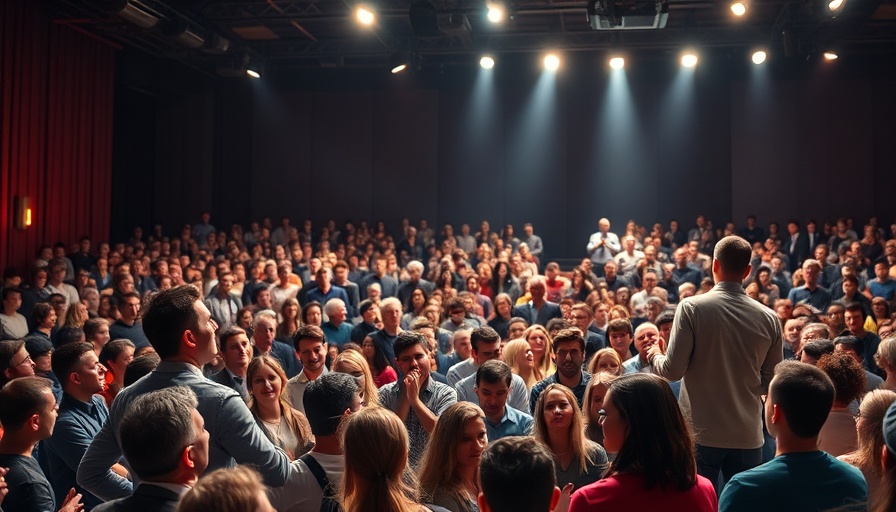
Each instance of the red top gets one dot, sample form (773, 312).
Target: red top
(386, 376)
(621, 493)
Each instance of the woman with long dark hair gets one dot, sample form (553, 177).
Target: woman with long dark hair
(655, 466)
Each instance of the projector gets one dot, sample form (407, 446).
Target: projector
(628, 14)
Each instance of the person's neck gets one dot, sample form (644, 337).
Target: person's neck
(538, 303)
(470, 479)
(327, 445)
(81, 395)
(9, 312)
(570, 383)
(789, 443)
(269, 412)
(811, 286)
(561, 443)
(326, 289)
(129, 323)
(184, 358)
(497, 418)
(11, 445)
(391, 330)
(45, 330)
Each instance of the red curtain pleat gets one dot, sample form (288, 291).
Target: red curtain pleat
(56, 100)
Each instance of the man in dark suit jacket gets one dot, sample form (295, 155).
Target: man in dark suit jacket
(164, 439)
(236, 351)
(537, 310)
(796, 245)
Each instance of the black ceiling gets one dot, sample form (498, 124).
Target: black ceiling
(319, 34)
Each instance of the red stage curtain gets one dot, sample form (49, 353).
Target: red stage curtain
(56, 97)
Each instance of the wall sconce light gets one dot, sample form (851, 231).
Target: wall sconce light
(23, 212)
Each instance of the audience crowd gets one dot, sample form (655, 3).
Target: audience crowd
(281, 367)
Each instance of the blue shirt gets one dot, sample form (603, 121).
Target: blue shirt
(820, 298)
(234, 437)
(578, 391)
(337, 335)
(134, 333)
(76, 426)
(884, 289)
(335, 292)
(517, 395)
(513, 423)
(795, 482)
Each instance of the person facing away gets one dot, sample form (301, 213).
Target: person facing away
(800, 477)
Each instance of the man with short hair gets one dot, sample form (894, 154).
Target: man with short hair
(611, 279)
(486, 347)
(337, 330)
(457, 316)
(388, 285)
(164, 439)
(13, 323)
(684, 272)
(223, 304)
(709, 332)
(465, 240)
(517, 475)
(538, 310)
(340, 279)
(569, 354)
(602, 245)
(236, 351)
(533, 241)
(417, 399)
(330, 400)
(811, 292)
(127, 326)
(82, 413)
(385, 338)
(854, 317)
(415, 280)
(882, 285)
(56, 275)
(581, 315)
(28, 413)
(264, 330)
(493, 380)
(628, 258)
(182, 332)
(646, 336)
(370, 317)
(311, 346)
(325, 291)
(800, 477)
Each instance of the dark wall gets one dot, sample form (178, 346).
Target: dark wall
(560, 153)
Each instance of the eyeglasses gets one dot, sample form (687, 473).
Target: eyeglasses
(27, 360)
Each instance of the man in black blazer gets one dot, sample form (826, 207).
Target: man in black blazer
(236, 351)
(796, 245)
(164, 439)
(537, 310)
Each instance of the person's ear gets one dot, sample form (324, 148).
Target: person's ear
(34, 422)
(187, 457)
(188, 339)
(747, 272)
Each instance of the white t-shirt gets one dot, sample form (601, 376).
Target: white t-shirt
(301, 492)
(15, 325)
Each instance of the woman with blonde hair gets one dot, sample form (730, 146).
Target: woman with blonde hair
(284, 426)
(594, 402)
(76, 315)
(518, 355)
(606, 360)
(96, 332)
(353, 363)
(559, 427)
(375, 442)
(449, 472)
(869, 426)
(290, 320)
(543, 350)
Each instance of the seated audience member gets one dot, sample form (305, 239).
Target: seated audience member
(813, 350)
(370, 317)
(96, 332)
(619, 337)
(517, 475)
(886, 360)
(559, 427)
(417, 399)
(264, 333)
(501, 321)
(851, 346)
(518, 354)
(855, 320)
(236, 352)
(517, 328)
(838, 434)
(449, 471)
(28, 413)
(351, 362)
(594, 402)
(316, 476)
(655, 466)
(166, 444)
(338, 327)
(646, 336)
(116, 356)
(493, 381)
(182, 332)
(801, 477)
(14, 361)
(237, 489)
(12, 323)
(82, 413)
(871, 440)
(128, 326)
(376, 456)
(382, 370)
(606, 360)
(286, 427)
(486, 347)
(569, 347)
